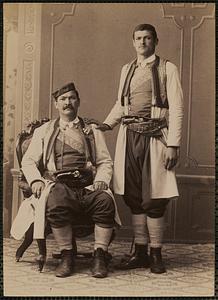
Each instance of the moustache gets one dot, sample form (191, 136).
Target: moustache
(68, 106)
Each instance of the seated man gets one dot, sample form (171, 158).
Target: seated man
(72, 151)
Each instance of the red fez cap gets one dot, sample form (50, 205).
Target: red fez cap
(64, 89)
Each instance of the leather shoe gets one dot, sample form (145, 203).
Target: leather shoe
(156, 264)
(139, 259)
(99, 264)
(65, 268)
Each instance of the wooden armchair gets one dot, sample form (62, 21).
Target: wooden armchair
(81, 230)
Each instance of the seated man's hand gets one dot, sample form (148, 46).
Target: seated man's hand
(100, 186)
(171, 157)
(37, 188)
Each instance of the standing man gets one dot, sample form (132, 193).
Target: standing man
(150, 110)
(76, 159)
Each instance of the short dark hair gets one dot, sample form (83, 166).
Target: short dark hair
(64, 89)
(148, 27)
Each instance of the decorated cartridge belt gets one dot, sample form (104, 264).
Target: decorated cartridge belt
(151, 127)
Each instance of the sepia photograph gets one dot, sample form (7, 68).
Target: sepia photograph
(109, 149)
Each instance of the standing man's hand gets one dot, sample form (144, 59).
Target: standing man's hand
(100, 125)
(37, 188)
(100, 186)
(170, 157)
(103, 126)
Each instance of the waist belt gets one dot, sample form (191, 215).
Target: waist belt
(76, 178)
(151, 128)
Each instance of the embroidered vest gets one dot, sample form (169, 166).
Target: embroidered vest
(89, 138)
(158, 83)
(70, 149)
(140, 92)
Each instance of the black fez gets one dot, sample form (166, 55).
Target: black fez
(64, 89)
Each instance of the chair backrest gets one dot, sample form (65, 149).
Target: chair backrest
(24, 138)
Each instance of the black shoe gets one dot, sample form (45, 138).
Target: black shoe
(65, 268)
(156, 263)
(99, 264)
(139, 259)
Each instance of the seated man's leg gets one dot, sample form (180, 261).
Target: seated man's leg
(100, 206)
(61, 206)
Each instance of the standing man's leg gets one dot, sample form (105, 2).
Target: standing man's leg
(155, 222)
(137, 197)
(139, 259)
(137, 152)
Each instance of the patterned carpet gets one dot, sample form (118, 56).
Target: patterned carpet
(190, 272)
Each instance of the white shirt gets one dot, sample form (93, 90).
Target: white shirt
(146, 61)
(63, 124)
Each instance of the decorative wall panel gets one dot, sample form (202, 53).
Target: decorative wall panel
(9, 94)
(27, 83)
(191, 17)
(197, 162)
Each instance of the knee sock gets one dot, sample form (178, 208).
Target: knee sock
(102, 237)
(156, 230)
(63, 237)
(139, 224)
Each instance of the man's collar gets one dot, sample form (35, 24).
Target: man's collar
(70, 124)
(146, 61)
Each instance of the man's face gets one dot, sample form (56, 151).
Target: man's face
(67, 104)
(144, 43)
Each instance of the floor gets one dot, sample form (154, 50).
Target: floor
(190, 272)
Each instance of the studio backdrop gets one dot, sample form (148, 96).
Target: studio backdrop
(47, 45)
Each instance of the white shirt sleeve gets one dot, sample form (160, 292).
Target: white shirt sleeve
(175, 99)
